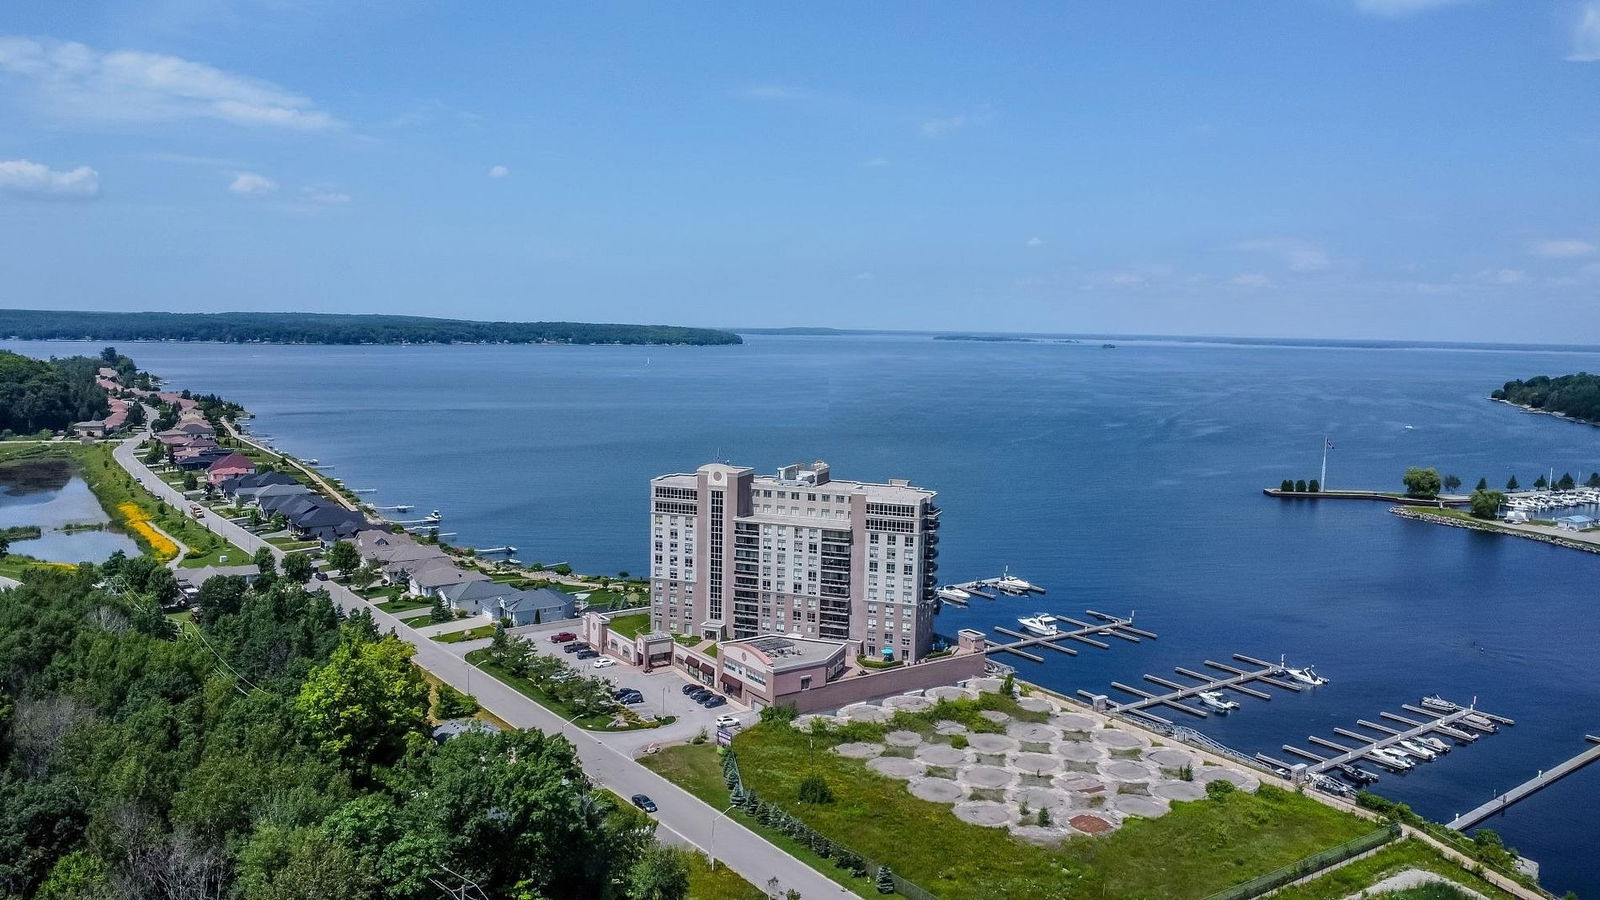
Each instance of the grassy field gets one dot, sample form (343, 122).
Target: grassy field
(471, 634)
(1407, 854)
(1194, 850)
(708, 882)
(632, 625)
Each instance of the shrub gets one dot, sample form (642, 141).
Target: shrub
(813, 789)
(1286, 486)
(779, 714)
(1044, 818)
(450, 703)
(959, 741)
(1219, 789)
(885, 880)
(1187, 774)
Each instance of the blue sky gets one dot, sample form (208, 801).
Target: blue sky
(1337, 168)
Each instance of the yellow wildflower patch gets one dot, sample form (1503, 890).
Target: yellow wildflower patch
(137, 520)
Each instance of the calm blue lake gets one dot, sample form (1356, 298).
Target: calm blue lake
(1125, 479)
(48, 494)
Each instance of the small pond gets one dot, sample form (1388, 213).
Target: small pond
(50, 494)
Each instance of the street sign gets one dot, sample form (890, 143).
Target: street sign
(724, 737)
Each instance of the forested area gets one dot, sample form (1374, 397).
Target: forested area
(1572, 395)
(52, 394)
(328, 328)
(272, 750)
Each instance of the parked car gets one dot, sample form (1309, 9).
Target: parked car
(586, 653)
(604, 662)
(713, 701)
(727, 721)
(619, 693)
(573, 647)
(643, 802)
(631, 699)
(322, 576)
(691, 688)
(699, 695)
(562, 637)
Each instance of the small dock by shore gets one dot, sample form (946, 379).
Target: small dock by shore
(1234, 679)
(1528, 788)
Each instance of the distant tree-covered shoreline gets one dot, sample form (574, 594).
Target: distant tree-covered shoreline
(333, 328)
(1577, 396)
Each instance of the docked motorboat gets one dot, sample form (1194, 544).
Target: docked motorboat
(953, 594)
(1412, 748)
(1215, 700)
(434, 516)
(1011, 584)
(1043, 625)
(1390, 758)
(1480, 722)
(1357, 775)
(1439, 704)
(1307, 675)
(1434, 744)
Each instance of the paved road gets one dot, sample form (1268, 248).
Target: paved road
(683, 818)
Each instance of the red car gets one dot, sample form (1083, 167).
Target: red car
(562, 637)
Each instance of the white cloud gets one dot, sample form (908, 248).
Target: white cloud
(1036, 242)
(1586, 35)
(73, 81)
(1563, 248)
(1250, 279)
(933, 128)
(31, 179)
(1396, 8)
(499, 172)
(249, 184)
(1298, 255)
(1502, 276)
(325, 198)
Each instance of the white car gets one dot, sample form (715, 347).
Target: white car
(603, 662)
(726, 721)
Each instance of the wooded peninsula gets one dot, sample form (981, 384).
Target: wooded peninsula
(329, 328)
(1575, 396)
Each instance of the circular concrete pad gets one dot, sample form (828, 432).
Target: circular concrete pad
(1119, 740)
(985, 685)
(1080, 783)
(987, 776)
(1179, 790)
(1036, 763)
(1126, 770)
(859, 751)
(864, 712)
(1036, 704)
(983, 812)
(897, 767)
(1038, 798)
(1241, 780)
(903, 738)
(1029, 731)
(1090, 823)
(995, 715)
(937, 790)
(947, 692)
(1134, 805)
(1169, 760)
(907, 702)
(1075, 722)
(948, 727)
(1081, 752)
(942, 755)
(991, 743)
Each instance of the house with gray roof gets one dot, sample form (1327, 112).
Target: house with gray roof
(536, 607)
(428, 579)
(477, 598)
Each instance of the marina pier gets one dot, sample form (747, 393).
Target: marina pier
(1108, 626)
(1235, 679)
(1528, 788)
(1383, 744)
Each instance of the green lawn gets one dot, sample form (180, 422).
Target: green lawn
(471, 634)
(632, 625)
(1196, 849)
(289, 543)
(708, 882)
(1407, 854)
(403, 602)
(218, 555)
(480, 658)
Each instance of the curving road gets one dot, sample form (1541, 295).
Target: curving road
(682, 817)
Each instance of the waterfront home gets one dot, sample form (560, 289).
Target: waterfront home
(257, 495)
(196, 458)
(538, 606)
(476, 598)
(399, 569)
(432, 576)
(245, 485)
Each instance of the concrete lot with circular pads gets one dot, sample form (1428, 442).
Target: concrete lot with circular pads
(1035, 704)
(1075, 722)
(948, 727)
(1179, 790)
(1081, 783)
(1241, 780)
(1135, 805)
(1081, 753)
(908, 702)
(1117, 739)
(1170, 760)
(992, 743)
(937, 790)
(1127, 771)
(984, 685)
(903, 738)
(943, 755)
(1034, 732)
(984, 812)
(859, 751)
(897, 767)
(995, 715)
(987, 776)
(1035, 763)
(1038, 798)
(865, 712)
(948, 692)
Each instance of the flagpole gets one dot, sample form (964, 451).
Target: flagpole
(1323, 483)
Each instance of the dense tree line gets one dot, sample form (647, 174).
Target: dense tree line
(326, 328)
(38, 394)
(1572, 395)
(274, 750)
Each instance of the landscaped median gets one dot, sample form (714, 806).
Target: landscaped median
(585, 701)
(1195, 849)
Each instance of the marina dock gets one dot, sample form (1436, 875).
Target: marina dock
(1463, 724)
(1108, 626)
(1235, 679)
(1528, 788)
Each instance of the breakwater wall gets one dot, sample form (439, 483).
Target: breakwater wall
(1365, 495)
(1405, 512)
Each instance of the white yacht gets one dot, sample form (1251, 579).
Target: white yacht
(954, 594)
(1415, 749)
(1043, 624)
(1390, 758)
(1307, 675)
(434, 516)
(1011, 584)
(1216, 701)
(1439, 704)
(1434, 744)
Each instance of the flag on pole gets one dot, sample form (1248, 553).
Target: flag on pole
(1328, 442)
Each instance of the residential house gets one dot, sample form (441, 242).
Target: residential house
(536, 607)
(431, 577)
(477, 598)
(91, 429)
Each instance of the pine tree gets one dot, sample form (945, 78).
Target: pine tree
(1512, 484)
(1483, 484)
(885, 880)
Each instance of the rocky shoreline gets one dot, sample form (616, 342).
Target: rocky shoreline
(1408, 512)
